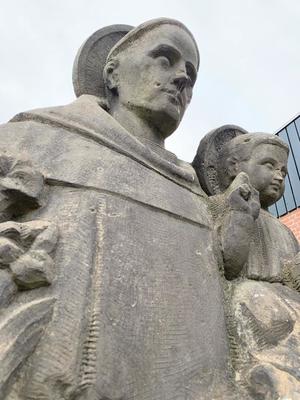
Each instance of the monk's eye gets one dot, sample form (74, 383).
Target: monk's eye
(283, 172)
(164, 61)
(191, 74)
(165, 55)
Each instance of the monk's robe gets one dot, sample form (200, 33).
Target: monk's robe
(139, 305)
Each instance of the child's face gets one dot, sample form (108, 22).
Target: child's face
(267, 168)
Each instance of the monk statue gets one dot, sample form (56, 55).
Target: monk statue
(245, 173)
(110, 284)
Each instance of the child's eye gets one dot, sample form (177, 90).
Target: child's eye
(269, 165)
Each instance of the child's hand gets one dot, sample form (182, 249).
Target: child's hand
(242, 196)
(296, 259)
(291, 273)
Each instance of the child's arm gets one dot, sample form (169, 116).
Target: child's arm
(235, 223)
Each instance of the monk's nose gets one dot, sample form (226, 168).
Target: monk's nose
(181, 80)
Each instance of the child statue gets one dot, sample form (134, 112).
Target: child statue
(244, 173)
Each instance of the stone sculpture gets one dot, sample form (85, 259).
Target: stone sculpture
(136, 308)
(245, 174)
(26, 263)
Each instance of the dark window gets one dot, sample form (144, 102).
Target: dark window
(291, 198)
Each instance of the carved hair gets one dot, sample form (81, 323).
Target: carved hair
(141, 30)
(240, 149)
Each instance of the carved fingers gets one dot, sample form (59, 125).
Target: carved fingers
(242, 196)
(25, 256)
(291, 273)
(296, 259)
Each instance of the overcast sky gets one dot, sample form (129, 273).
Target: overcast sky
(249, 69)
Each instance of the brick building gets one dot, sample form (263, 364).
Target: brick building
(292, 220)
(288, 207)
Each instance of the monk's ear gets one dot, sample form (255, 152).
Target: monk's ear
(232, 167)
(110, 75)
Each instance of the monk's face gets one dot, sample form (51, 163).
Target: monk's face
(267, 168)
(156, 75)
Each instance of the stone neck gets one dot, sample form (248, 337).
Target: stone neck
(137, 127)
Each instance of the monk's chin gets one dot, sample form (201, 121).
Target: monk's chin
(166, 120)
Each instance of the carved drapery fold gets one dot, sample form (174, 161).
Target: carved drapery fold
(26, 250)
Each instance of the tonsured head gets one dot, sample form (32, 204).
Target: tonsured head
(152, 70)
(263, 157)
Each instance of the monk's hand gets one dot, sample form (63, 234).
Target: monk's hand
(243, 197)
